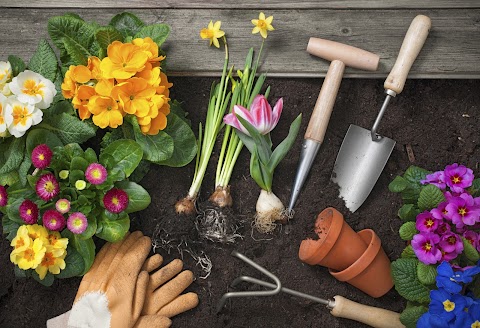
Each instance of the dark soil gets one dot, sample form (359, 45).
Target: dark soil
(438, 119)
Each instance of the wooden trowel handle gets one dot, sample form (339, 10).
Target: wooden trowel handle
(372, 316)
(317, 126)
(411, 46)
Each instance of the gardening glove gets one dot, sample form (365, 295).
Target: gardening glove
(112, 293)
(163, 299)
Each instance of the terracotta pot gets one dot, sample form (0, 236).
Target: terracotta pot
(371, 273)
(337, 247)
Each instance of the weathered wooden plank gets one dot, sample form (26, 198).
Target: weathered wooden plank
(245, 4)
(452, 50)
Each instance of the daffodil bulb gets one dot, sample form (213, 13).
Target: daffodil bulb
(33, 89)
(269, 210)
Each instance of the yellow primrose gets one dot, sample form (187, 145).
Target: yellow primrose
(69, 86)
(262, 25)
(123, 61)
(150, 48)
(104, 87)
(36, 231)
(151, 75)
(56, 241)
(51, 262)
(81, 99)
(31, 256)
(105, 112)
(213, 33)
(21, 240)
(164, 86)
(134, 96)
(94, 67)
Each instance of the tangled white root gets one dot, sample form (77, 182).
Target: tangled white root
(270, 210)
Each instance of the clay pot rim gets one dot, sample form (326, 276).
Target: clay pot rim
(374, 246)
(326, 244)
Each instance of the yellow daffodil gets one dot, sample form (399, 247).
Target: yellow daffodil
(81, 99)
(213, 33)
(105, 112)
(124, 60)
(31, 256)
(134, 96)
(52, 261)
(262, 25)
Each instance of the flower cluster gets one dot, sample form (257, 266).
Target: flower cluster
(450, 306)
(128, 81)
(441, 229)
(35, 247)
(22, 99)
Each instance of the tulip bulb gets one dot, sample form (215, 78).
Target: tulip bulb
(269, 210)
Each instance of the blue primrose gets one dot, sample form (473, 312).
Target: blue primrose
(445, 305)
(448, 279)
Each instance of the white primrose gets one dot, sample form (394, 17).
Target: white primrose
(32, 88)
(5, 72)
(19, 117)
(3, 124)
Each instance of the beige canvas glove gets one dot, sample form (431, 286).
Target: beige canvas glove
(112, 293)
(163, 299)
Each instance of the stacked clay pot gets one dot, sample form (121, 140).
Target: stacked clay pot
(356, 258)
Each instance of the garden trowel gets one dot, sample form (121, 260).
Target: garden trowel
(364, 153)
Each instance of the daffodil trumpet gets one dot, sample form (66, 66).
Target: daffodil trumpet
(253, 127)
(219, 100)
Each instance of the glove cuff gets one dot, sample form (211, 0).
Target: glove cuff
(90, 311)
(59, 321)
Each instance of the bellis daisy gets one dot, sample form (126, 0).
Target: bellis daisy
(53, 220)
(115, 200)
(28, 211)
(77, 222)
(63, 174)
(62, 205)
(41, 156)
(3, 196)
(47, 187)
(80, 184)
(96, 173)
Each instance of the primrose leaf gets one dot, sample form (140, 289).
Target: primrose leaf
(10, 227)
(125, 153)
(408, 212)
(86, 248)
(47, 281)
(158, 32)
(44, 61)
(157, 148)
(282, 149)
(106, 35)
(112, 230)
(408, 252)
(469, 250)
(40, 136)
(138, 197)
(398, 184)
(70, 129)
(408, 230)
(426, 273)
(411, 314)
(475, 188)
(404, 273)
(74, 264)
(128, 24)
(14, 155)
(17, 63)
(430, 196)
(24, 168)
(414, 174)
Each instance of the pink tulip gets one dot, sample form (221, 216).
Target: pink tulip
(261, 115)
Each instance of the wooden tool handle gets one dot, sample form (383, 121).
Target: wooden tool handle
(411, 46)
(317, 126)
(375, 317)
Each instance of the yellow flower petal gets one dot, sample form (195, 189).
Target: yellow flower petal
(255, 30)
(217, 25)
(254, 21)
(215, 43)
(269, 20)
(261, 16)
(263, 33)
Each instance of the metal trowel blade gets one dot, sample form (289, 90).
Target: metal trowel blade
(359, 163)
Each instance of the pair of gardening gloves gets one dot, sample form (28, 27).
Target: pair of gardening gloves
(124, 289)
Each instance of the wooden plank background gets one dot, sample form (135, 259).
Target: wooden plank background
(452, 49)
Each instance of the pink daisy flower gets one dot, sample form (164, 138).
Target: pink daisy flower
(77, 222)
(41, 156)
(47, 187)
(115, 200)
(3, 196)
(96, 173)
(62, 205)
(53, 220)
(28, 211)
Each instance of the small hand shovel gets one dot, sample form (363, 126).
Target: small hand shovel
(364, 153)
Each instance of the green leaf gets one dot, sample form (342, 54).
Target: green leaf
(414, 174)
(14, 155)
(411, 314)
(176, 108)
(404, 272)
(44, 61)
(408, 212)
(127, 23)
(408, 230)
(138, 197)
(469, 250)
(63, 106)
(408, 253)
(47, 281)
(155, 148)
(158, 32)
(79, 163)
(9, 178)
(91, 156)
(475, 188)
(92, 225)
(19, 273)
(86, 248)
(41, 136)
(126, 155)
(282, 149)
(70, 129)
(106, 35)
(262, 147)
(74, 264)
(426, 273)
(10, 227)
(398, 184)
(24, 168)
(73, 36)
(258, 173)
(184, 142)
(112, 230)
(430, 196)
(474, 286)
(18, 65)
(140, 172)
